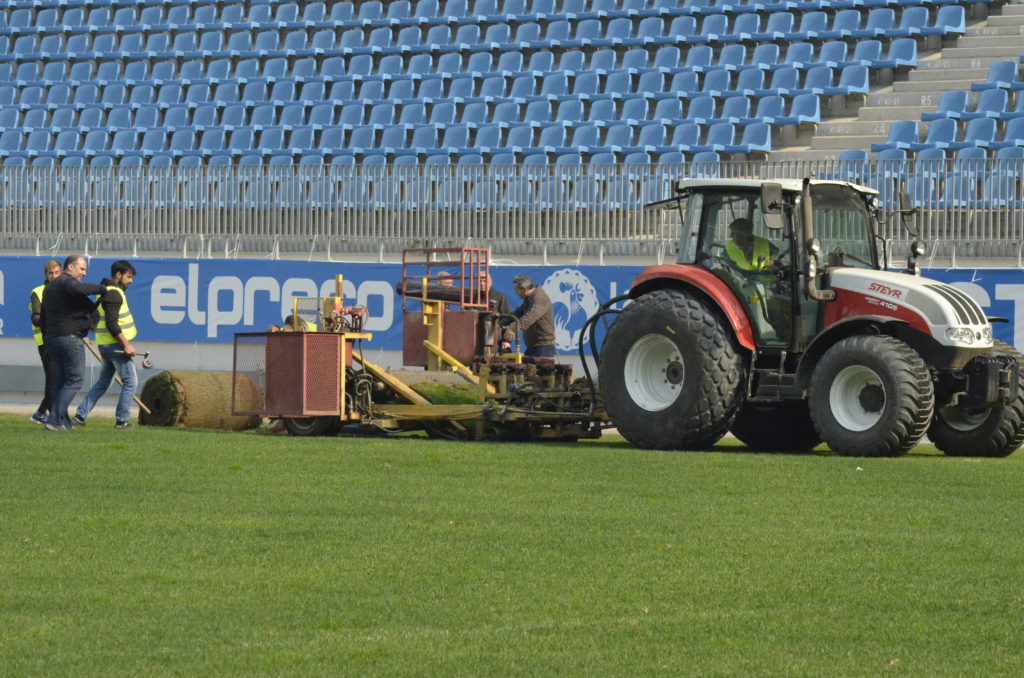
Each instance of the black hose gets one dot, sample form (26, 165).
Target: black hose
(590, 323)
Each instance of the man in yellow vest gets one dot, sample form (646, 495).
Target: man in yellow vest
(51, 270)
(114, 333)
(748, 252)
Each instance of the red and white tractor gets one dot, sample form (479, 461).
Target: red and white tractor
(787, 330)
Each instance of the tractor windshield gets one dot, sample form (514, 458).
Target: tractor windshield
(843, 225)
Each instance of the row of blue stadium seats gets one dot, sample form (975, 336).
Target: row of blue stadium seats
(946, 133)
(456, 139)
(213, 44)
(619, 85)
(399, 13)
(420, 68)
(847, 23)
(774, 110)
(993, 103)
(284, 163)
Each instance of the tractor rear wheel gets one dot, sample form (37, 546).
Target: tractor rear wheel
(988, 432)
(871, 396)
(312, 426)
(671, 372)
(776, 427)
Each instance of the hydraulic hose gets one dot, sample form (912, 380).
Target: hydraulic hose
(605, 309)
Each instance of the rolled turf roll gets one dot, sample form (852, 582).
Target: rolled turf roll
(196, 399)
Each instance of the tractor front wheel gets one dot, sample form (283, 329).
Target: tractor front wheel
(987, 432)
(671, 372)
(871, 396)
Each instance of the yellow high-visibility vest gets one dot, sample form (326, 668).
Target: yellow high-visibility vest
(124, 319)
(760, 256)
(37, 332)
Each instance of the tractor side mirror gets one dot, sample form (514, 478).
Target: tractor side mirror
(771, 205)
(908, 215)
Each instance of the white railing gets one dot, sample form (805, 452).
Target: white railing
(973, 207)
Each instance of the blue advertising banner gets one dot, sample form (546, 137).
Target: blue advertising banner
(209, 300)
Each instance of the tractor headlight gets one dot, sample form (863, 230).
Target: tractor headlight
(986, 334)
(963, 335)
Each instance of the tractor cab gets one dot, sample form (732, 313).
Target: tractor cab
(755, 237)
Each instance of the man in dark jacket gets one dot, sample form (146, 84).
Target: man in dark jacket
(66, 316)
(536, 317)
(114, 333)
(51, 270)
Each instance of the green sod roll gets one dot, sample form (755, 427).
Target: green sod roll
(196, 399)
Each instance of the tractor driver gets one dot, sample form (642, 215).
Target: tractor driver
(746, 251)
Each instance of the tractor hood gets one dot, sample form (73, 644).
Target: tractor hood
(947, 314)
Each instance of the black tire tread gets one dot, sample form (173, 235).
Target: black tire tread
(915, 392)
(718, 395)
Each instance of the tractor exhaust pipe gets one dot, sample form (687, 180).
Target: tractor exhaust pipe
(812, 246)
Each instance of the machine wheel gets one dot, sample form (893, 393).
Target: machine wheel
(312, 426)
(871, 396)
(988, 432)
(671, 372)
(776, 427)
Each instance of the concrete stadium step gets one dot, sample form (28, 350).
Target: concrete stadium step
(933, 86)
(1014, 28)
(803, 155)
(1005, 41)
(939, 63)
(891, 113)
(841, 143)
(970, 52)
(854, 127)
(936, 74)
(892, 99)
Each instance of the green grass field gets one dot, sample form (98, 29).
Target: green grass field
(158, 552)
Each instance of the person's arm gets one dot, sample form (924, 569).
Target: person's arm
(37, 309)
(89, 289)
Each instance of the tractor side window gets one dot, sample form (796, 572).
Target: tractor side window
(843, 225)
(751, 259)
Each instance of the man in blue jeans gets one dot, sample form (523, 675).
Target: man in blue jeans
(65, 317)
(114, 333)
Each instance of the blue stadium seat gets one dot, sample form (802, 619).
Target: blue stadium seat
(1001, 74)
(949, 20)
(912, 20)
(1012, 136)
(902, 135)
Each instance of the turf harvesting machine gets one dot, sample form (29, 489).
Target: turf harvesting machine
(456, 383)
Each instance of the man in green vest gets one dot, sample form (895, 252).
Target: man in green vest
(114, 333)
(51, 270)
(748, 252)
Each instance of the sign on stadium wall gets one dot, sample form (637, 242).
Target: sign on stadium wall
(209, 300)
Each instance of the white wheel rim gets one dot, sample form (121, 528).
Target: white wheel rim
(654, 372)
(963, 420)
(857, 398)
